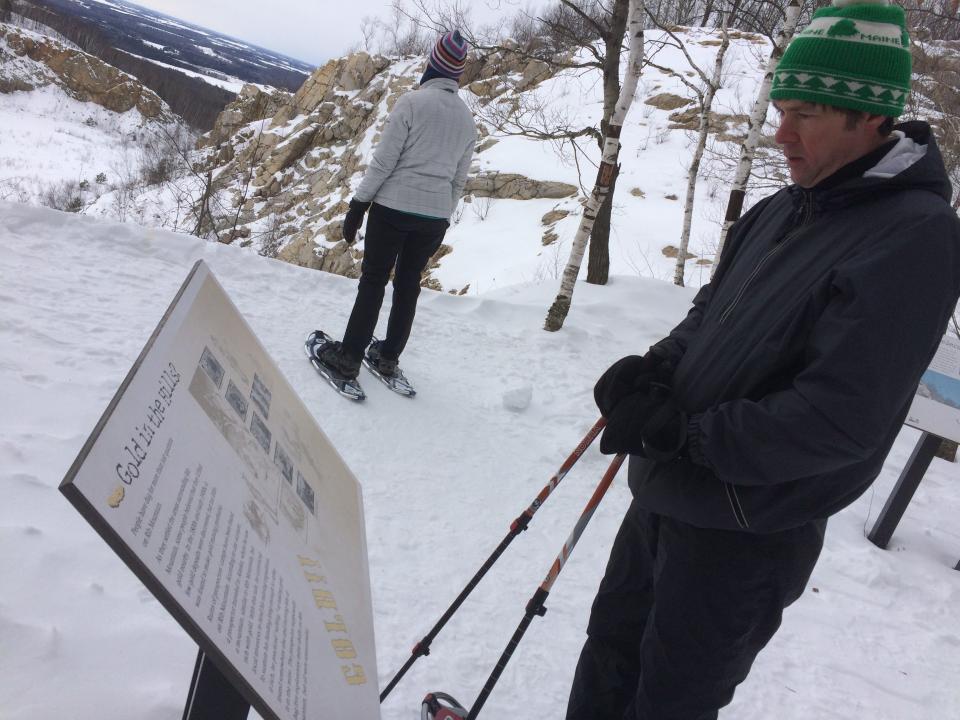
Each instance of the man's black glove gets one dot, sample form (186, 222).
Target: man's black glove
(625, 424)
(351, 223)
(628, 376)
(664, 434)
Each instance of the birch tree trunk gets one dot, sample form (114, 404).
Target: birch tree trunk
(606, 172)
(598, 258)
(713, 84)
(598, 249)
(757, 117)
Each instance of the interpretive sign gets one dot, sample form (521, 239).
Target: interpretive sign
(212, 481)
(936, 406)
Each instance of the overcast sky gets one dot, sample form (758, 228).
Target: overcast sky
(310, 31)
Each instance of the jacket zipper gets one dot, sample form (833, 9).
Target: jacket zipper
(806, 213)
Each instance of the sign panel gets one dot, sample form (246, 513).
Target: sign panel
(212, 481)
(936, 406)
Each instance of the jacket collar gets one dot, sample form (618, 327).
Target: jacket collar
(441, 83)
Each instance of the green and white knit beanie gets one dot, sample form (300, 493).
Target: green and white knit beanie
(853, 54)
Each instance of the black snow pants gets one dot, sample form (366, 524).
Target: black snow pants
(399, 242)
(681, 614)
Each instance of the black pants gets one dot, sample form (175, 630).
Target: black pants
(682, 613)
(394, 240)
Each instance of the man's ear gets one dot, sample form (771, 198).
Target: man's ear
(873, 122)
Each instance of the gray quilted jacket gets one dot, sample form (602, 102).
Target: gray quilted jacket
(421, 162)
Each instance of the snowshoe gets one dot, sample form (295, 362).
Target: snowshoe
(387, 371)
(318, 342)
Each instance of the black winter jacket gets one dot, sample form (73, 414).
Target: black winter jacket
(797, 364)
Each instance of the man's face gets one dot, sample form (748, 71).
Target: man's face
(817, 140)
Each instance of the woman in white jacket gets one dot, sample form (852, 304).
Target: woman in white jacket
(411, 188)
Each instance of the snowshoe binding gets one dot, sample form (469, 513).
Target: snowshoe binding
(387, 371)
(327, 358)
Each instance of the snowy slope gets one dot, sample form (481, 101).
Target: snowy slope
(50, 140)
(876, 636)
(55, 147)
(655, 156)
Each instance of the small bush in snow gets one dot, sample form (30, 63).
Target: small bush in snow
(65, 195)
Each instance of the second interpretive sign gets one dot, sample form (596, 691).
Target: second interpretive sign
(936, 406)
(213, 482)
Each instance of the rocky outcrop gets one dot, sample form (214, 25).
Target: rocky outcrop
(554, 216)
(507, 69)
(510, 186)
(251, 104)
(82, 76)
(550, 220)
(667, 101)
(722, 124)
(297, 160)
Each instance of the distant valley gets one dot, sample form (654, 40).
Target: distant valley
(195, 70)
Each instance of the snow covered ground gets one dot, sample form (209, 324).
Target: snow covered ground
(877, 634)
(49, 139)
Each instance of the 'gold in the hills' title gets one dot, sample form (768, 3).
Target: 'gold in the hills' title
(136, 451)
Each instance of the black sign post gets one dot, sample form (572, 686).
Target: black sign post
(212, 696)
(906, 486)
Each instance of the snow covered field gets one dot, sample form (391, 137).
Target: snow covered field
(877, 634)
(50, 138)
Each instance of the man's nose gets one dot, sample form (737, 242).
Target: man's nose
(785, 132)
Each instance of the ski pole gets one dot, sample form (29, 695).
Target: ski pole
(516, 527)
(535, 604)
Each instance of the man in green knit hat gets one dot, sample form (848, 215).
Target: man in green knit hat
(850, 66)
(774, 403)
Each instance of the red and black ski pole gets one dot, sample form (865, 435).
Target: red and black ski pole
(535, 604)
(516, 527)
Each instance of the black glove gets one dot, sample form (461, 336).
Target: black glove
(665, 433)
(351, 223)
(627, 376)
(625, 424)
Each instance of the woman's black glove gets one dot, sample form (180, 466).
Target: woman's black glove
(628, 376)
(351, 223)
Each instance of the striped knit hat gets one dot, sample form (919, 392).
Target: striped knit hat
(449, 55)
(854, 54)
